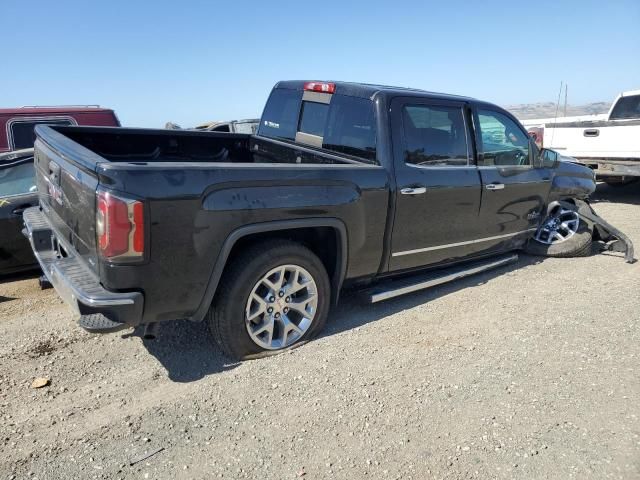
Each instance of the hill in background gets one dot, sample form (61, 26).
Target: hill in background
(548, 109)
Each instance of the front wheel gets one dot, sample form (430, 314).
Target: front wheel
(273, 296)
(563, 234)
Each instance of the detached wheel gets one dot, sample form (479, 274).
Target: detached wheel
(562, 234)
(274, 296)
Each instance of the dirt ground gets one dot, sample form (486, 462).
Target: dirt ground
(530, 371)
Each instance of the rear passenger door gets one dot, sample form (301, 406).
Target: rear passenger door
(438, 187)
(514, 190)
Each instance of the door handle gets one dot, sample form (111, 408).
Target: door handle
(591, 132)
(494, 186)
(20, 210)
(413, 190)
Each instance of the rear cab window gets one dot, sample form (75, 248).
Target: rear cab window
(332, 122)
(626, 108)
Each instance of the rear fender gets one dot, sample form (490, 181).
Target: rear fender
(283, 225)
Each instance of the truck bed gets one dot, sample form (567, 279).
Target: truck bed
(198, 188)
(144, 146)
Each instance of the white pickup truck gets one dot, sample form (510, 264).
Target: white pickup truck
(608, 143)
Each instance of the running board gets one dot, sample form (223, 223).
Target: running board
(395, 288)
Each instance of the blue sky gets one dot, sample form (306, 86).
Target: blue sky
(193, 61)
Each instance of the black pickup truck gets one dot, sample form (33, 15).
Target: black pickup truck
(344, 185)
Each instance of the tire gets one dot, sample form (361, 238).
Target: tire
(228, 315)
(577, 245)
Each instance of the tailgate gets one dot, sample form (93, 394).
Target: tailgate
(67, 185)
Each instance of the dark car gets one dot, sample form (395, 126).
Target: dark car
(17, 192)
(344, 185)
(17, 176)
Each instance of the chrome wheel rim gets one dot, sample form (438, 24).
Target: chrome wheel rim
(281, 307)
(558, 227)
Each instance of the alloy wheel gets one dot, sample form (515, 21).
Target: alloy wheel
(281, 307)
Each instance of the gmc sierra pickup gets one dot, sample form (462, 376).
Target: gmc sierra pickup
(386, 189)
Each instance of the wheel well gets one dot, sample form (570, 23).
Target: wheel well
(325, 242)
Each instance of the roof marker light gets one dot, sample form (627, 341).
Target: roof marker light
(321, 87)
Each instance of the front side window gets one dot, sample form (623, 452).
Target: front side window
(17, 179)
(503, 141)
(23, 134)
(435, 136)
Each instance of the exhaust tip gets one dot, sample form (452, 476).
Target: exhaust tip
(150, 331)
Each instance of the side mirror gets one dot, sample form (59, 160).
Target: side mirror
(548, 158)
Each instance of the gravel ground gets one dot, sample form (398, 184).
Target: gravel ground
(526, 372)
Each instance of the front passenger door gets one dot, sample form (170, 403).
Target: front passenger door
(514, 190)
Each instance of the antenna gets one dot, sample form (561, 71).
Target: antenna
(556, 115)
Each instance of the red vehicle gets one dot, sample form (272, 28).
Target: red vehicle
(16, 124)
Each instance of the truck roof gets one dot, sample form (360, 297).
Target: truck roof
(367, 90)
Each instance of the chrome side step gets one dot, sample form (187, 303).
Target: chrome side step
(395, 288)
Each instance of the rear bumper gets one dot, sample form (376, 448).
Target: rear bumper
(76, 284)
(612, 168)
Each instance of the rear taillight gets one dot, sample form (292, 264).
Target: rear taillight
(119, 227)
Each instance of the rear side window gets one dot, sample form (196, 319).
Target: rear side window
(22, 134)
(435, 136)
(626, 107)
(280, 116)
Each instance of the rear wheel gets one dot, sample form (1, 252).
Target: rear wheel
(562, 234)
(273, 296)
